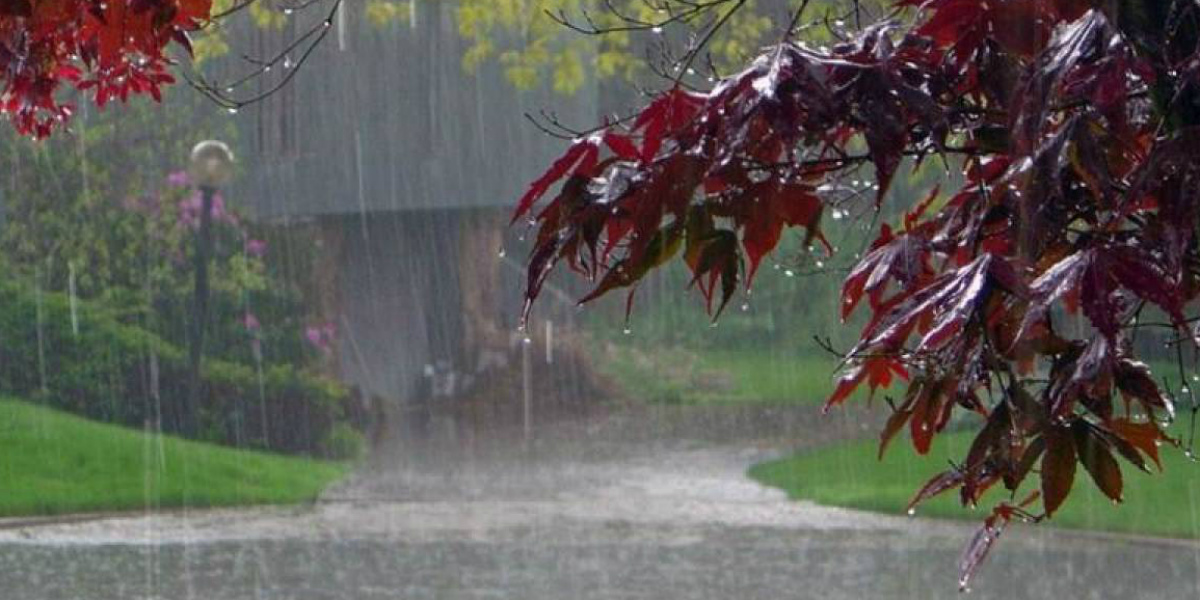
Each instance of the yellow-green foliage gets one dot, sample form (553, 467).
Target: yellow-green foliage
(267, 16)
(382, 13)
(209, 43)
(532, 48)
(536, 46)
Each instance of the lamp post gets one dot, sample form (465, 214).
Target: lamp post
(210, 167)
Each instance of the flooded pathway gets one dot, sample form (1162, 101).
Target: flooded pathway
(609, 507)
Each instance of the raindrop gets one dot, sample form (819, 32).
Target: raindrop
(745, 306)
(790, 273)
(627, 331)
(912, 511)
(502, 253)
(656, 30)
(232, 110)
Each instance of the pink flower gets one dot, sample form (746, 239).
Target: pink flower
(250, 322)
(256, 248)
(321, 337)
(179, 179)
(190, 206)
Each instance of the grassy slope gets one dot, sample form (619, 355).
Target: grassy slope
(722, 377)
(849, 475)
(52, 462)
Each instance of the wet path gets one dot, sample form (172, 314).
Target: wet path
(608, 507)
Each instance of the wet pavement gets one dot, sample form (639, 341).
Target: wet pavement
(628, 504)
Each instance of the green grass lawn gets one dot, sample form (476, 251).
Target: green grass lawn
(53, 463)
(849, 475)
(673, 376)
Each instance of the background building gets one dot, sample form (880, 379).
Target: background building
(394, 194)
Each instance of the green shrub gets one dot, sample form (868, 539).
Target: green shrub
(343, 442)
(93, 365)
(285, 410)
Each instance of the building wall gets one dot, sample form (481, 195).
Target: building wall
(387, 119)
(416, 291)
(409, 165)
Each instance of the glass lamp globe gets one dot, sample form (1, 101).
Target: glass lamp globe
(211, 164)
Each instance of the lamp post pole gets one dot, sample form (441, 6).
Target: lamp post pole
(201, 256)
(211, 166)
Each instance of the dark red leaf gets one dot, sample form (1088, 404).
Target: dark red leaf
(876, 371)
(989, 438)
(903, 259)
(944, 481)
(621, 146)
(925, 411)
(557, 171)
(894, 424)
(1029, 457)
(977, 549)
(1093, 452)
(1146, 437)
(1058, 468)
(1135, 381)
(846, 385)
(16, 8)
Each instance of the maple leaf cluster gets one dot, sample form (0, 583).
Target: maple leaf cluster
(1076, 127)
(109, 49)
